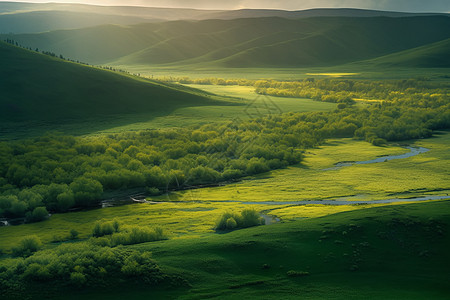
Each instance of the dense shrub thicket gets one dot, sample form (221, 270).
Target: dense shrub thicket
(55, 172)
(112, 234)
(27, 246)
(335, 90)
(101, 260)
(79, 264)
(232, 220)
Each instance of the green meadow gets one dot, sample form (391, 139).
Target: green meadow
(388, 252)
(211, 158)
(241, 98)
(193, 213)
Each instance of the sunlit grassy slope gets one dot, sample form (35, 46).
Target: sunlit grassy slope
(435, 55)
(38, 91)
(393, 252)
(254, 42)
(279, 42)
(246, 96)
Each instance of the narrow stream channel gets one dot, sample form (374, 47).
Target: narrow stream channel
(337, 201)
(413, 152)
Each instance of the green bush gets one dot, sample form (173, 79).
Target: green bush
(38, 214)
(101, 229)
(231, 223)
(27, 246)
(379, 142)
(231, 220)
(136, 235)
(37, 272)
(251, 217)
(78, 279)
(73, 234)
(80, 264)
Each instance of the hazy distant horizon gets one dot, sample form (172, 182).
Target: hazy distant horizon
(387, 5)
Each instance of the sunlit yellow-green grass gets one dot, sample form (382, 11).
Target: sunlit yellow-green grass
(244, 96)
(283, 103)
(351, 71)
(179, 220)
(427, 172)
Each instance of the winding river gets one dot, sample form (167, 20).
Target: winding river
(413, 152)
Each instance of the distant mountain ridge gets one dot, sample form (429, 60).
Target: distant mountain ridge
(18, 17)
(252, 42)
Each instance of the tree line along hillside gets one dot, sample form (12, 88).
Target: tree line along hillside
(57, 172)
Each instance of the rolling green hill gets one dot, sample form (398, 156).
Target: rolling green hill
(308, 13)
(254, 42)
(435, 55)
(16, 17)
(38, 90)
(275, 42)
(40, 21)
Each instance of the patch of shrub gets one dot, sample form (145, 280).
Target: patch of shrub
(38, 214)
(106, 228)
(73, 234)
(80, 264)
(136, 235)
(78, 279)
(27, 246)
(231, 223)
(247, 218)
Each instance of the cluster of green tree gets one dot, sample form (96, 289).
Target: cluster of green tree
(232, 220)
(61, 172)
(208, 81)
(79, 264)
(347, 90)
(335, 90)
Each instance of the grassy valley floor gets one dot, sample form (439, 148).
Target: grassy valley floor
(192, 213)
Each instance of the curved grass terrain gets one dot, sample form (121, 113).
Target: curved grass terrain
(243, 43)
(39, 91)
(392, 252)
(434, 55)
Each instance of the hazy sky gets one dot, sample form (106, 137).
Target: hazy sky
(397, 5)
